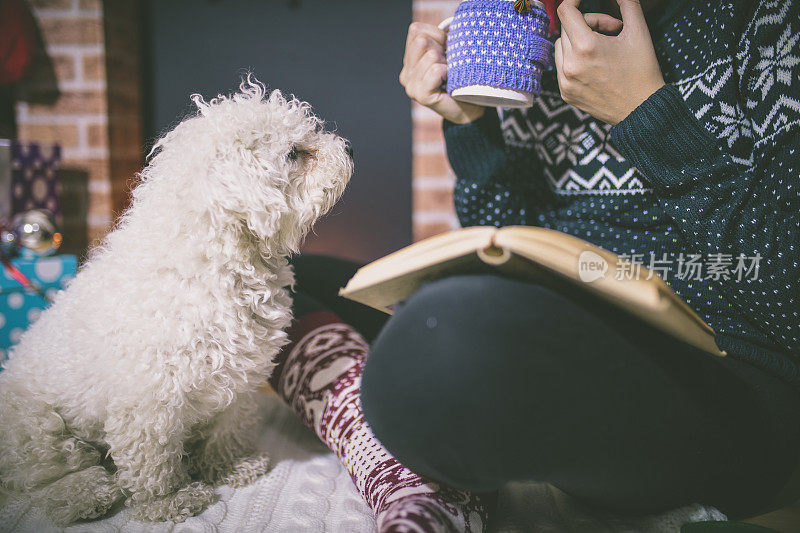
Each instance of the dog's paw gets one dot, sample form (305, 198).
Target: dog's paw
(178, 506)
(245, 471)
(82, 495)
(237, 473)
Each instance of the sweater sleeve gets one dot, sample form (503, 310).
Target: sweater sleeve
(493, 186)
(727, 206)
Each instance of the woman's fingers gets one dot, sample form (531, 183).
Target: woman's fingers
(632, 14)
(606, 76)
(418, 47)
(566, 46)
(572, 22)
(418, 29)
(422, 39)
(559, 56)
(422, 45)
(432, 83)
(418, 86)
(603, 23)
(425, 72)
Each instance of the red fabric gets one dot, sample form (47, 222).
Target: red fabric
(17, 40)
(555, 24)
(320, 378)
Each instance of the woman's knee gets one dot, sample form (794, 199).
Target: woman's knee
(457, 334)
(438, 344)
(445, 385)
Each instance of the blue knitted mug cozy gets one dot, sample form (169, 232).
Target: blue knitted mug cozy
(491, 43)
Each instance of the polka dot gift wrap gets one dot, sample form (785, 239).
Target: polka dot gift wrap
(19, 308)
(490, 43)
(29, 177)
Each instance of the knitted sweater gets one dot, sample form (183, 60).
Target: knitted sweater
(705, 172)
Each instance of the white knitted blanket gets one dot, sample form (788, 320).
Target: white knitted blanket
(308, 490)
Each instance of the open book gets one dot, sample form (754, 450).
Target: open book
(539, 255)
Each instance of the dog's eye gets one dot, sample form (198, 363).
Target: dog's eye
(296, 153)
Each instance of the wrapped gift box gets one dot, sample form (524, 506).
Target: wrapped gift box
(20, 307)
(29, 177)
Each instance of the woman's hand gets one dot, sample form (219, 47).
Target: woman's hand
(607, 77)
(425, 73)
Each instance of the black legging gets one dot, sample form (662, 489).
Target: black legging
(477, 380)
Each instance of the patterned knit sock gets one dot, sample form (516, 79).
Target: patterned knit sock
(319, 377)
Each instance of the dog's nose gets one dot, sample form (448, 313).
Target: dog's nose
(348, 148)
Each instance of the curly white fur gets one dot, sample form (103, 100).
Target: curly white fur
(141, 375)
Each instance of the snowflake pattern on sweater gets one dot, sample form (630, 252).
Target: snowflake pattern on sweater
(708, 165)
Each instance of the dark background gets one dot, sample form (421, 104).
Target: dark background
(343, 56)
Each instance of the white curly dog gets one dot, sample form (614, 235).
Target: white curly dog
(139, 381)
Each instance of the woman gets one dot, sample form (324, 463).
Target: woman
(668, 132)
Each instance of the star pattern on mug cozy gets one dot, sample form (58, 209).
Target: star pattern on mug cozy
(488, 43)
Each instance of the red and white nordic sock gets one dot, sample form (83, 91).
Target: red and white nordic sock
(320, 379)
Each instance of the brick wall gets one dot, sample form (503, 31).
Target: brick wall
(93, 51)
(66, 100)
(433, 178)
(124, 89)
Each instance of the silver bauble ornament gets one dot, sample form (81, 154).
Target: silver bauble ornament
(8, 243)
(36, 233)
